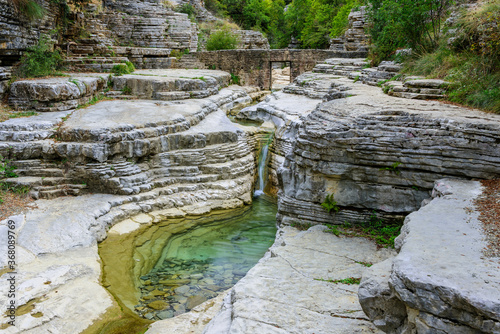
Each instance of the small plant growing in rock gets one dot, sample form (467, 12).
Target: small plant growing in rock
(121, 69)
(348, 281)
(393, 168)
(6, 169)
(235, 79)
(127, 90)
(40, 60)
(330, 204)
(301, 226)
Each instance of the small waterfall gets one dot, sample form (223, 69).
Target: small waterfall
(262, 168)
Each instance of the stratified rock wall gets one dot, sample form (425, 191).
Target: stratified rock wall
(149, 24)
(383, 154)
(18, 32)
(371, 151)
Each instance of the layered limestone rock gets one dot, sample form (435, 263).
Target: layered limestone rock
(18, 31)
(150, 24)
(417, 88)
(283, 111)
(440, 281)
(355, 38)
(247, 40)
(149, 156)
(55, 94)
(376, 75)
(295, 272)
(250, 39)
(107, 147)
(372, 151)
(5, 75)
(172, 84)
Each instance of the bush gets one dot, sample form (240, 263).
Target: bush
(125, 68)
(471, 64)
(405, 23)
(222, 39)
(40, 60)
(29, 8)
(188, 9)
(215, 7)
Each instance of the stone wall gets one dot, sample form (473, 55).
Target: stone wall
(254, 66)
(17, 31)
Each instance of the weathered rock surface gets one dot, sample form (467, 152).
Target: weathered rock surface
(250, 39)
(172, 84)
(375, 152)
(55, 94)
(441, 275)
(18, 31)
(291, 274)
(183, 156)
(191, 322)
(149, 24)
(417, 88)
(282, 111)
(58, 276)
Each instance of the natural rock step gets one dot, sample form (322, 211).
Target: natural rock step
(55, 94)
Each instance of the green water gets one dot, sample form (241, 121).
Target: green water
(200, 263)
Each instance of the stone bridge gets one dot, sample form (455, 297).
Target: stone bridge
(254, 67)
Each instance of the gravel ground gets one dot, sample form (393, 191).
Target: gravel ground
(488, 204)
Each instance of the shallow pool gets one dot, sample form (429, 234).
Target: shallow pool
(203, 261)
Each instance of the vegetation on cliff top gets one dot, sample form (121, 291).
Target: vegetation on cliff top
(465, 51)
(312, 22)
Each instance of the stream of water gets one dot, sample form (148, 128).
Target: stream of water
(201, 262)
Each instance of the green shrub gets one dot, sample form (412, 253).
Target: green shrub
(341, 20)
(405, 23)
(222, 39)
(188, 9)
(30, 9)
(471, 63)
(40, 60)
(235, 79)
(215, 7)
(6, 169)
(120, 69)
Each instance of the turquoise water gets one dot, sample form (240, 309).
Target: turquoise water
(202, 262)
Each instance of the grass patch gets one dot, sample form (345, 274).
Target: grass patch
(348, 281)
(375, 229)
(95, 99)
(121, 69)
(470, 62)
(7, 113)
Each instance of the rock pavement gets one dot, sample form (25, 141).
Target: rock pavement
(440, 281)
(286, 291)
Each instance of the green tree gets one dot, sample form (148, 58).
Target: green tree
(278, 35)
(255, 15)
(405, 23)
